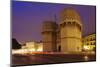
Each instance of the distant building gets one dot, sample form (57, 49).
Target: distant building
(89, 42)
(33, 46)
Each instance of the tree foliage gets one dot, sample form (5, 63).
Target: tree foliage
(15, 44)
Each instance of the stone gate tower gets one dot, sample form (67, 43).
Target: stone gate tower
(49, 36)
(70, 30)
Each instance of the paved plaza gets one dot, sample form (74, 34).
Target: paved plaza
(36, 59)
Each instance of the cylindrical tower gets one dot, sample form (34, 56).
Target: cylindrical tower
(70, 30)
(49, 36)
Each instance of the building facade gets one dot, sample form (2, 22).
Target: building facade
(89, 42)
(33, 46)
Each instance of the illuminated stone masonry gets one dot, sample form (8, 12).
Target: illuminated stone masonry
(49, 34)
(70, 27)
(33, 46)
(66, 36)
(89, 42)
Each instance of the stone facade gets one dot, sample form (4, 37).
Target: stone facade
(89, 42)
(49, 36)
(33, 46)
(70, 27)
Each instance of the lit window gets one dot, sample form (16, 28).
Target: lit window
(69, 22)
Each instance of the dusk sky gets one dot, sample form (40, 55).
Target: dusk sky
(27, 18)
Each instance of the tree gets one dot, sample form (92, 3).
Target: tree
(15, 44)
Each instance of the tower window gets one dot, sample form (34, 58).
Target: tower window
(74, 22)
(64, 23)
(69, 22)
(91, 39)
(91, 43)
